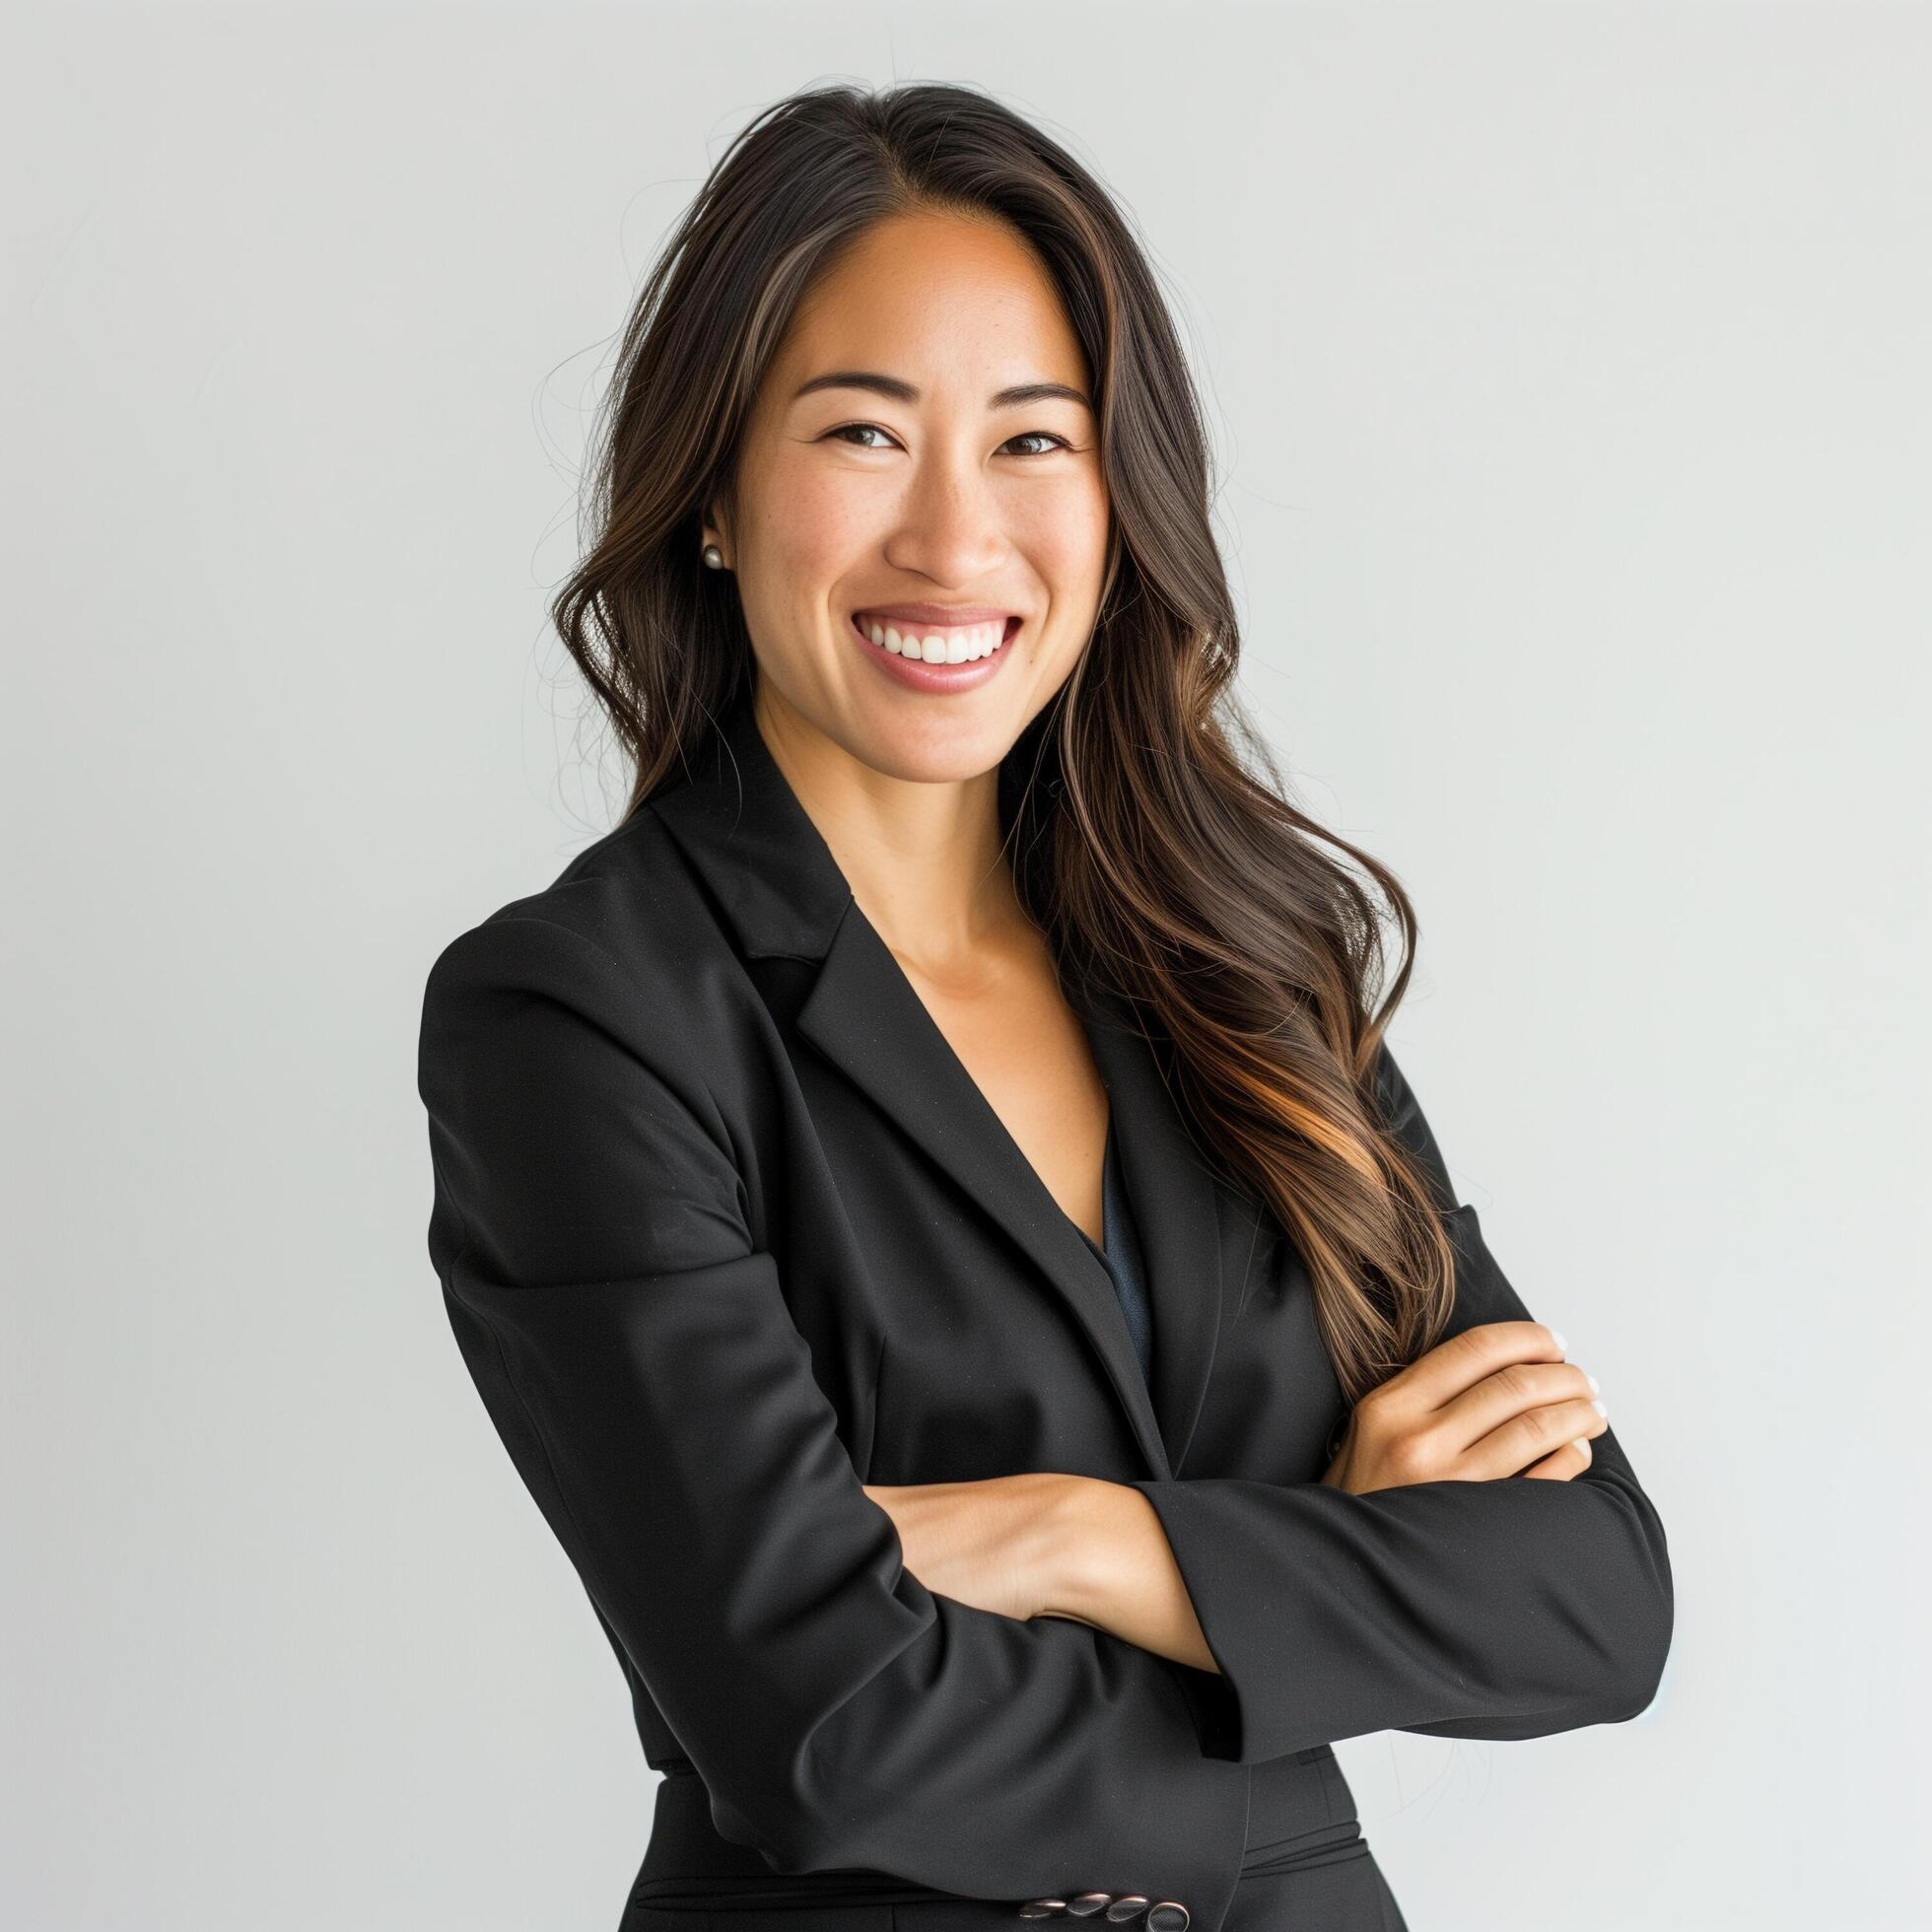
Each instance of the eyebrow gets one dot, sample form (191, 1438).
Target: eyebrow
(896, 390)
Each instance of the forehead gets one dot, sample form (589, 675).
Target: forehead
(940, 300)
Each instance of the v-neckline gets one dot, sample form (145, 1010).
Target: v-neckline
(780, 891)
(1108, 1153)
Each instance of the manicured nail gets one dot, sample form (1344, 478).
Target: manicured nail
(1600, 1408)
(1563, 1347)
(1595, 1384)
(1583, 1442)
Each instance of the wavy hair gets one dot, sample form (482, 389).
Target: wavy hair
(1153, 840)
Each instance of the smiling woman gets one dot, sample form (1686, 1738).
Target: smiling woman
(958, 533)
(926, 1200)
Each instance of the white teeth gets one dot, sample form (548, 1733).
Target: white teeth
(949, 647)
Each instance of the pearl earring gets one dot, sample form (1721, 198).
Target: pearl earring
(714, 556)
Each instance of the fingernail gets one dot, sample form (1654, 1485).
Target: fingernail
(1555, 1336)
(1600, 1408)
(1583, 1442)
(1595, 1384)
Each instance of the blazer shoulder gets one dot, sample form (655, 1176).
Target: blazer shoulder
(1401, 1114)
(623, 932)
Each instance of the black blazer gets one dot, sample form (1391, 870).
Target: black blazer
(725, 1228)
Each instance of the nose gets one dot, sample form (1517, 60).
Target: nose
(950, 527)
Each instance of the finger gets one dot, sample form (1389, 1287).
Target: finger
(1499, 1399)
(1442, 1373)
(1538, 1433)
(1573, 1459)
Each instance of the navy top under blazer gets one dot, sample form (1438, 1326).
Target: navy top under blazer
(725, 1231)
(1120, 1252)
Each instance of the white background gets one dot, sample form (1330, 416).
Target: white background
(1568, 371)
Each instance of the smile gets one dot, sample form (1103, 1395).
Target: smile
(935, 644)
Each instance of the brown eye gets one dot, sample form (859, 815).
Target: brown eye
(1041, 435)
(848, 429)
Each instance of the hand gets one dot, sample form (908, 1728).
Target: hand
(997, 1543)
(1477, 1407)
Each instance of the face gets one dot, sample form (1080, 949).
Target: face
(921, 467)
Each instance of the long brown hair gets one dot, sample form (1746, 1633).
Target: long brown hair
(1153, 840)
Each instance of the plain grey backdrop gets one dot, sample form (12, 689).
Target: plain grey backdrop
(1569, 372)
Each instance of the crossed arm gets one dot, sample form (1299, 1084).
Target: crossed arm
(1495, 1399)
(1050, 1544)
(1479, 1544)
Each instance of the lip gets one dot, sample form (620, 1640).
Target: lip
(915, 673)
(935, 613)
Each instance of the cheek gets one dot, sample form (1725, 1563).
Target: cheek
(808, 525)
(1067, 542)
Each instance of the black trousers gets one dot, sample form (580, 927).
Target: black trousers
(1346, 1895)
(1307, 1869)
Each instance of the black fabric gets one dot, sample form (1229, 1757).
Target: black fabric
(725, 1231)
(1121, 1254)
(1301, 1821)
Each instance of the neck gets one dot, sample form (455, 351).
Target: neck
(922, 856)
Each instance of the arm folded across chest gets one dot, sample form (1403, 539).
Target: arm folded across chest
(636, 1355)
(1507, 1609)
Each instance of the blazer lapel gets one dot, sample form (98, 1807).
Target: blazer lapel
(776, 880)
(866, 1016)
(1177, 1213)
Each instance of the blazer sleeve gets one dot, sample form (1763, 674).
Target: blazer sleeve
(1506, 1609)
(637, 1355)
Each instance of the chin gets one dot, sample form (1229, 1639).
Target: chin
(930, 742)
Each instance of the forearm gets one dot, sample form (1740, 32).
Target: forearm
(1112, 1568)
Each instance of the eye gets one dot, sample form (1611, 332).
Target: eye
(1043, 436)
(849, 432)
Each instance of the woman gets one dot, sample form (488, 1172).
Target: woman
(926, 1202)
